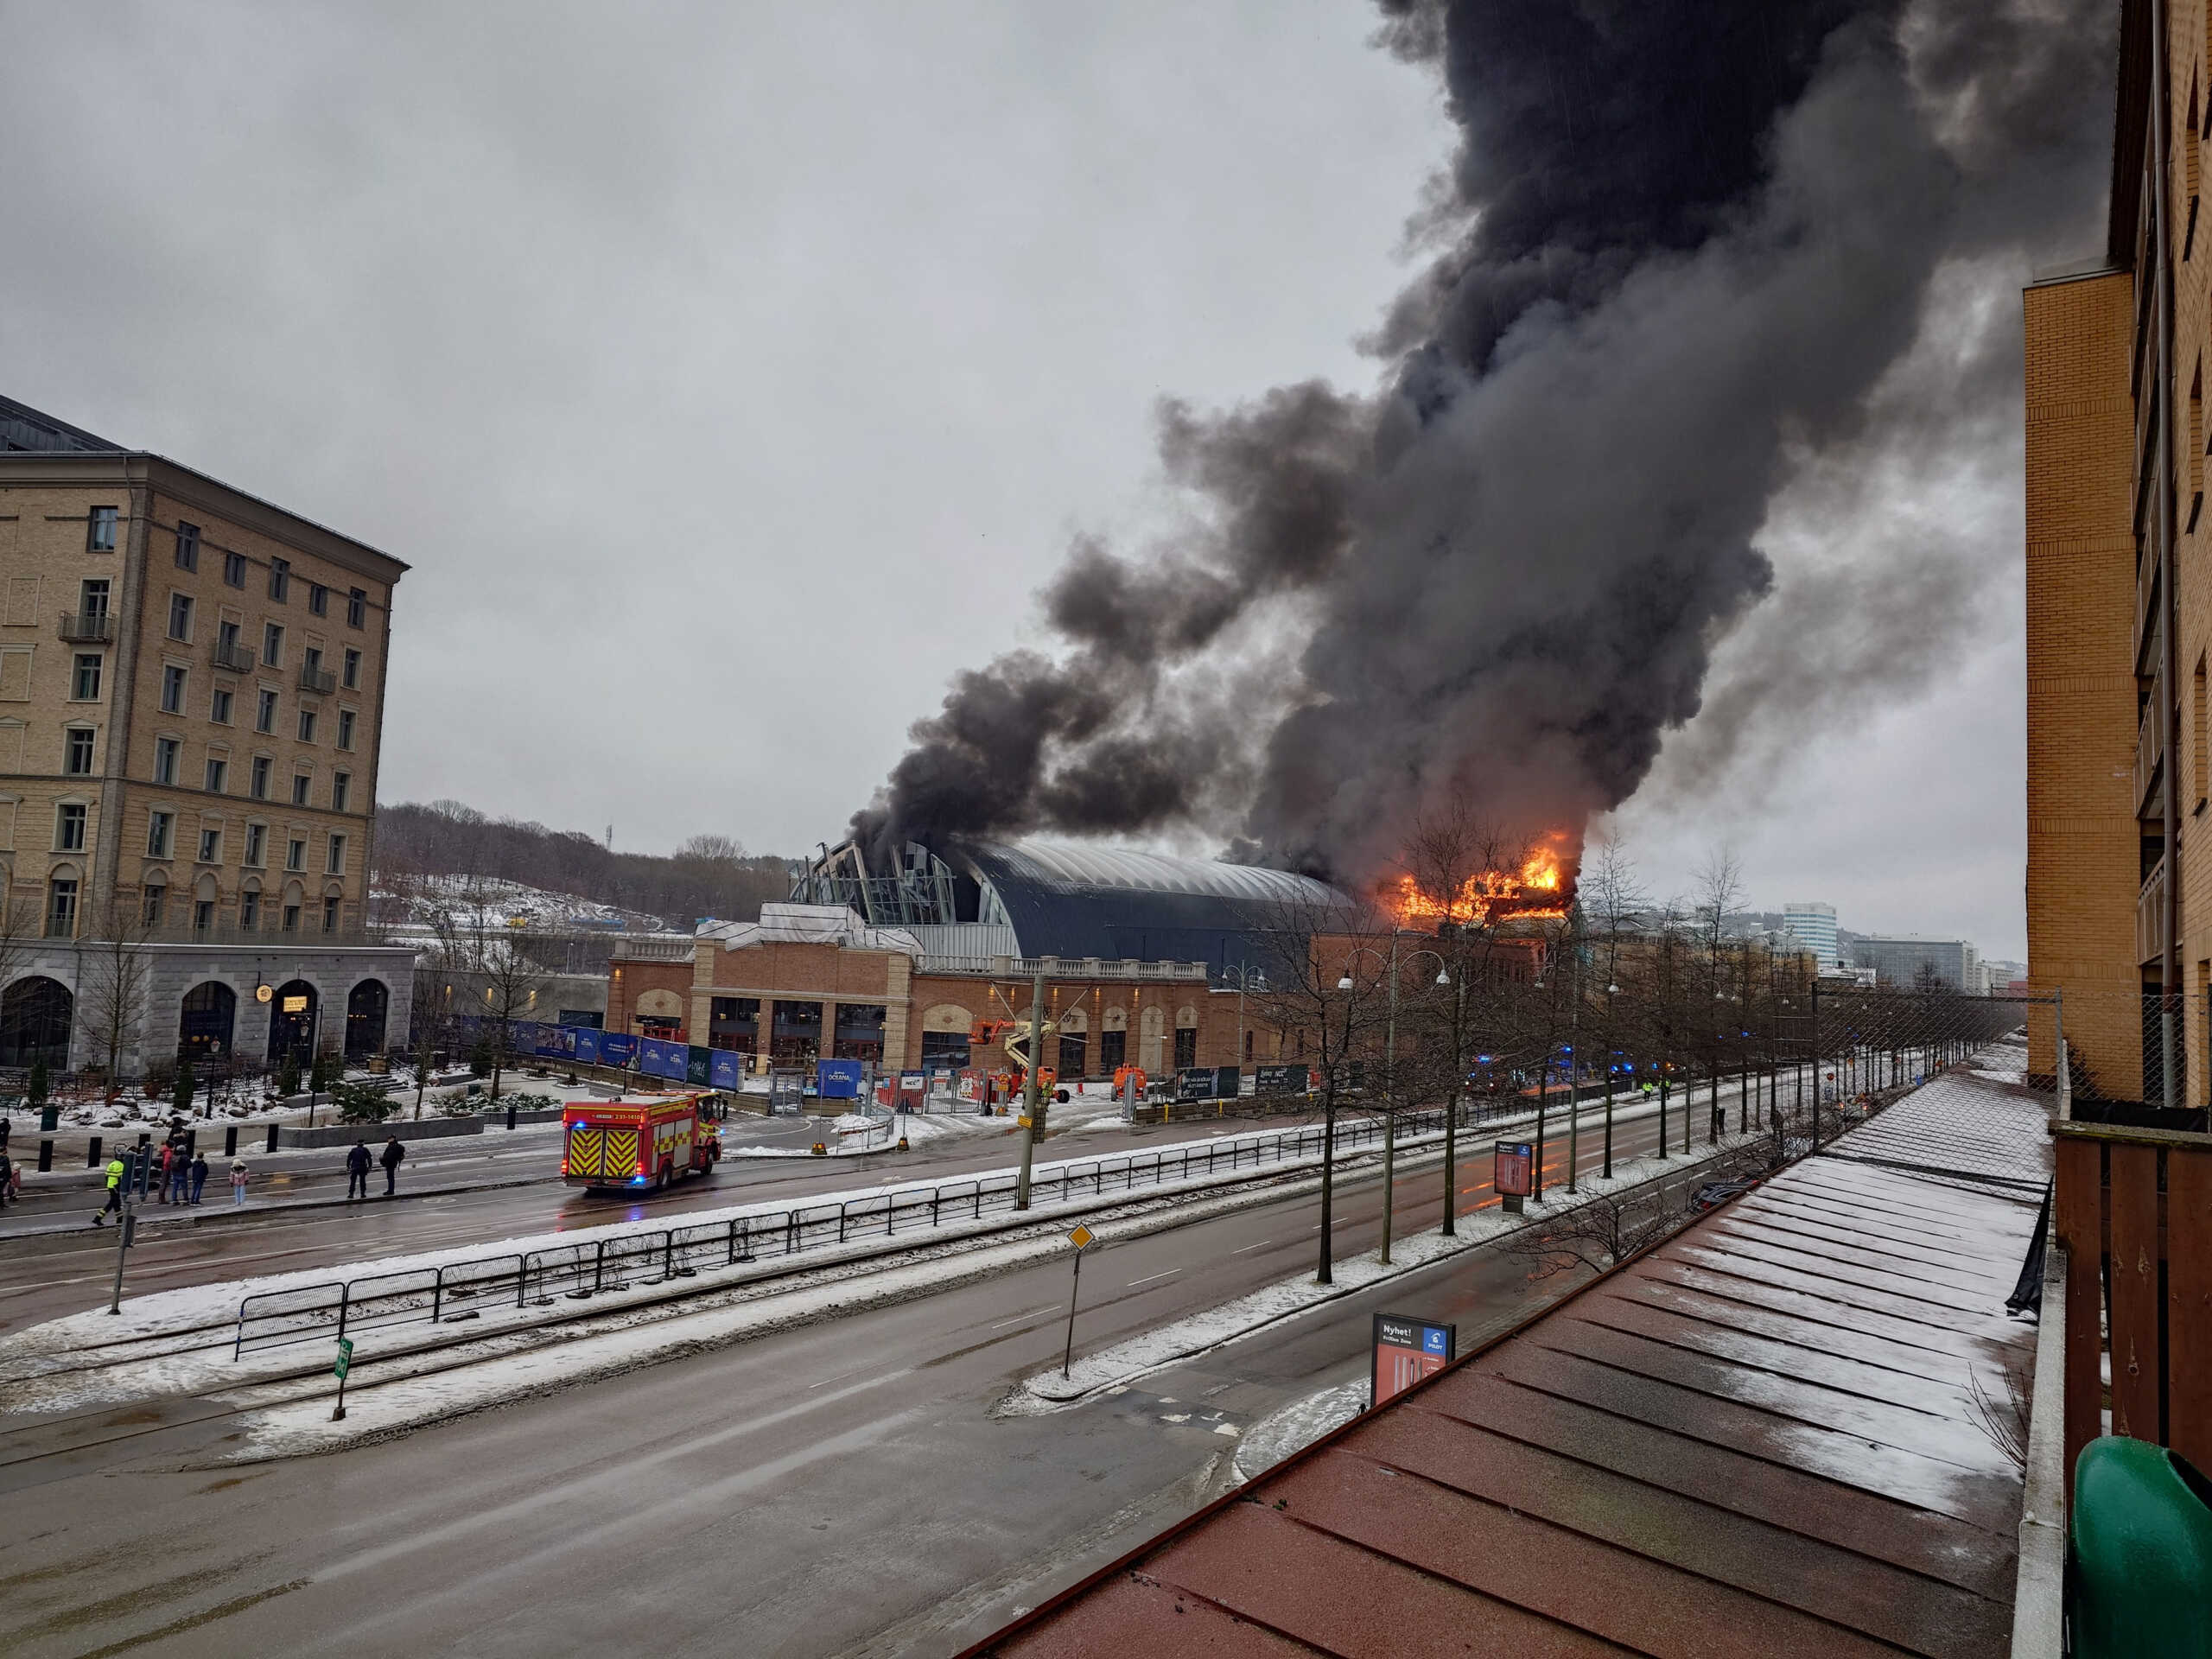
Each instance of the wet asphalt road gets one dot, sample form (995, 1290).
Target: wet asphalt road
(844, 1487)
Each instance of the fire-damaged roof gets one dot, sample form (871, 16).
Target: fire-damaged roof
(1762, 1437)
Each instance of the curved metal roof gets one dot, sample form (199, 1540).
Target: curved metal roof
(1067, 899)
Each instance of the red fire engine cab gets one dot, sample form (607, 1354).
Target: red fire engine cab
(648, 1142)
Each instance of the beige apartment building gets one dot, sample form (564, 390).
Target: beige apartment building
(192, 687)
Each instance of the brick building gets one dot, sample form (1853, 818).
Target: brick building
(2119, 614)
(191, 696)
(818, 982)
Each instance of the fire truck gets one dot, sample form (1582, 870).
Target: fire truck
(649, 1143)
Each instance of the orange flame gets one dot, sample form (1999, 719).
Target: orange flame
(1520, 892)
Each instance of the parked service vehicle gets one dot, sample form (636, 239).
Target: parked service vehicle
(649, 1142)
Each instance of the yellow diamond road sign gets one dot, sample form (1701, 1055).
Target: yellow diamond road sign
(1082, 1236)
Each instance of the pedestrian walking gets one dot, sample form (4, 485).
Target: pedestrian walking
(180, 1173)
(115, 1173)
(394, 1155)
(198, 1174)
(239, 1176)
(358, 1163)
(7, 1175)
(161, 1179)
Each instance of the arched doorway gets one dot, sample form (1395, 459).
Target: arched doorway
(291, 1022)
(366, 1006)
(204, 1029)
(35, 1017)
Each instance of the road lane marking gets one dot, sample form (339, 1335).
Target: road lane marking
(1148, 1278)
(1261, 1245)
(1049, 1308)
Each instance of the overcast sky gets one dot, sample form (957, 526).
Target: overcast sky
(732, 374)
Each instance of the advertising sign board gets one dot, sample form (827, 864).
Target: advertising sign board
(1513, 1171)
(1279, 1079)
(838, 1079)
(1404, 1351)
(725, 1069)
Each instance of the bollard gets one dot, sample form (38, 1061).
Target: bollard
(93, 1157)
(271, 1147)
(511, 1117)
(231, 1141)
(50, 1119)
(191, 1142)
(45, 1155)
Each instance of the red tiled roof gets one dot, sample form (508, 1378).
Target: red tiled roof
(1761, 1438)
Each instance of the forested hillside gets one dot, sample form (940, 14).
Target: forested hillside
(707, 875)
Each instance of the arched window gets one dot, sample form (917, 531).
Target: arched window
(367, 1005)
(292, 1019)
(206, 1021)
(37, 1015)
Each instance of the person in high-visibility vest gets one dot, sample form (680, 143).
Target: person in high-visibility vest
(115, 1172)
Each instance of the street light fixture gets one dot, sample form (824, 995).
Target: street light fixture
(1390, 1089)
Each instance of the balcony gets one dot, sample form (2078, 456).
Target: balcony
(87, 628)
(2151, 917)
(2150, 755)
(233, 656)
(319, 680)
(2146, 595)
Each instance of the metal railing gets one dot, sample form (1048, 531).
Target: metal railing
(231, 655)
(321, 680)
(461, 1290)
(87, 627)
(655, 948)
(1061, 968)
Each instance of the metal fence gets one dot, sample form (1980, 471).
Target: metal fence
(461, 1290)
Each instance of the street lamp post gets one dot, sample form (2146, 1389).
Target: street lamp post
(1390, 1081)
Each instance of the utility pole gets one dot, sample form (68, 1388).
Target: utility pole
(1032, 1096)
(1575, 1050)
(1390, 1101)
(125, 1222)
(1451, 1100)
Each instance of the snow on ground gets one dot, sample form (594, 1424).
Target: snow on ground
(1124, 1361)
(1298, 1424)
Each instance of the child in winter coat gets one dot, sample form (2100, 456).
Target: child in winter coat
(237, 1181)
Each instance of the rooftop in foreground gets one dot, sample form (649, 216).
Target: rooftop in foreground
(1762, 1438)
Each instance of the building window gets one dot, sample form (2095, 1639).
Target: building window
(311, 662)
(280, 579)
(357, 605)
(77, 752)
(306, 725)
(353, 676)
(84, 684)
(330, 918)
(226, 645)
(165, 753)
(234, 569)
(272, 644)
(102, 539)
(257, 842)
(91, 601)
(172, 689)
(341, 785)
(296, 853)
(249, 910)
(61, 908)
(154, 893)
(188, 546)
(69, 829)
(1186, 1048)
(291, 919)
(300, 783)
(219, 709)
(345, 728)
(181, 616)
(265, 713)
(219, 772)
(337, 865)
(203, 917)
(158, 825)
(211, 845)
(262, 766)
(318, 599)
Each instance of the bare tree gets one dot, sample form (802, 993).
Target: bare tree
(113, 974)
(1599, 1232)
(1329, 1017)
(1610, 899)
(1451, 864)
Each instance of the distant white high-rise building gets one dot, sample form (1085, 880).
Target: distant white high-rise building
(1813, 925)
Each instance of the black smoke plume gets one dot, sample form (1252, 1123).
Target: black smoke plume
(1683, 241)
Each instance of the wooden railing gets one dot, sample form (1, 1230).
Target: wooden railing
(2133, 1212)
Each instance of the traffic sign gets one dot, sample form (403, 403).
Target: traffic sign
(1082, 1236)
(345, 1357)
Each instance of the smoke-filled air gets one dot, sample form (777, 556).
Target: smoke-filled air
(1679, 245)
